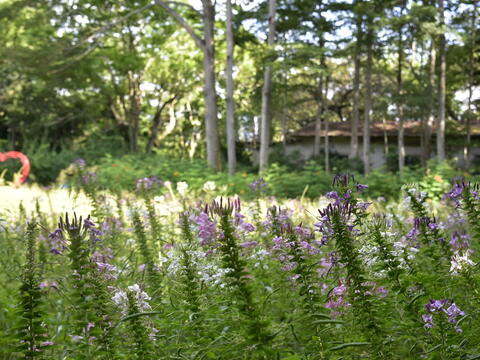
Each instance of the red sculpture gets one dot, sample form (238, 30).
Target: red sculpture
(24, 160)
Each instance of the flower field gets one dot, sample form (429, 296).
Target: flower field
(167, 273)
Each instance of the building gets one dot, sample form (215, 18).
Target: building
(383, 135)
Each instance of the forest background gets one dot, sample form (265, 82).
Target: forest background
(141, 88)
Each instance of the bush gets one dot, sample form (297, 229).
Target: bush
(46, 164)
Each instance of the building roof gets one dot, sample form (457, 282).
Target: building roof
(378, 129)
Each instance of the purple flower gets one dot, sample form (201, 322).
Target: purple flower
(435, 305)
(247, 227)
(206, 229)
(89, 326)
(334, 196)
(433, 226)
(79, 163)
(361, 187)
(363, 205)
(428, 320)
(47, 343)
(57, 242)
(147, 183)
(289, 266)
(452, 312)
(456, 242)
(92, 230)
(249, 243)
(258, 185)
(439, 307)
(89, 178)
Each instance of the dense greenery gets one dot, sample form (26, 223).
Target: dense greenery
(126, 76)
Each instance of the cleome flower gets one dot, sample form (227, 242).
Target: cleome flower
(460, 262)
(120, 299)
(439, 308)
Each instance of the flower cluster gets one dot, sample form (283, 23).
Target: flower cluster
(57, 241)
(277, 219)
(108, 270)
(258, 185)
(207, 229)
(460, 189)
(92, 231)
(141, 297)
(89, 178)
(79, 163)
(147, 183)
(420, 196)
(337, 299)
(440, 308)
(460, 261)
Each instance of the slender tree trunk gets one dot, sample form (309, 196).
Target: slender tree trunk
(356, 92)
(385, 137)
(232, 159)
(196, 131)
(284, 119)
(327, 138)
(135, 99)
(401, 132)
(318, 117)
(157, 119)
(441, 88)
(466, 152)
(368, 99)
(266, 92)
(430, 120)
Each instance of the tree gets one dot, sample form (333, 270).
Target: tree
(368, 93)
(207, 46)
(401, 131)
(265, 127)
(471, 60)
(440, 126)
(231, 138)
(356, 88)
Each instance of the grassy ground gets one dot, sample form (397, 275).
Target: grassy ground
(50, 201)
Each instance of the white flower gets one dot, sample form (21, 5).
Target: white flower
(460, 262)
(182, 188)
(121, 299)
(159, 199)
(209, 186)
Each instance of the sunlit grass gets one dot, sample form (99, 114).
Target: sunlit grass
(50, 200)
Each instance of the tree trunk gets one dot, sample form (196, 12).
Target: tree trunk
(441, 88)
(385, 137)
(466, 152)
(430, 120)
(401, 132)
(196, 134)
(368, 99)
(266, 92)
(134, 110)
(211, 122)
(327, 139)
(207, 46)
(356, 92)
(157, 119)
(318, 118)
(284, 118)
(232, 159)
